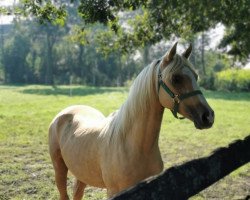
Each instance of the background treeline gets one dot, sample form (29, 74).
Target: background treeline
(46, 54)
(116, 46)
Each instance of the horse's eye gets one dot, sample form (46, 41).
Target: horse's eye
(176, 79)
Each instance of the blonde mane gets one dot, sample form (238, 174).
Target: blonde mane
(142, 92)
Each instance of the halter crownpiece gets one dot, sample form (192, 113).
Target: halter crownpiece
(177, 98)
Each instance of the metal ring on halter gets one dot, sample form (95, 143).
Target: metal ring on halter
(176, 99)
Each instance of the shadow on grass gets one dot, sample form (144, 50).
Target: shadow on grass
(88, 90)
(71, 91)
(230, 96)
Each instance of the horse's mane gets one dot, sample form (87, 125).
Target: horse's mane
(141, 93)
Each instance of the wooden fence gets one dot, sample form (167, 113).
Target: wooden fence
(184, 181)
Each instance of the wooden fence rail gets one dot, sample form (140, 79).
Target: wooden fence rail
(188, 179)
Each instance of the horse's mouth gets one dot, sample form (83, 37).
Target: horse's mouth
(204, 120)
(201, 126)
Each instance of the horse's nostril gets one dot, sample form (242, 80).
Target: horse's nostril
(205, 117)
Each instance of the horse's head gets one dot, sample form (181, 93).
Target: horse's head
(178, 89)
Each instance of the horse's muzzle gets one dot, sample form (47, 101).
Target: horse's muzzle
(203, 118)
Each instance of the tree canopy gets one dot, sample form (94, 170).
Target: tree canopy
(158, 19)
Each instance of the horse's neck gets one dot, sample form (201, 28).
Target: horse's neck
(144, 132)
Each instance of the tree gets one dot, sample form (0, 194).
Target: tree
(51, 33)
(179, 17)
(14, 59)
(161, 19)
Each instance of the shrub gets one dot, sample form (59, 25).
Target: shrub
(233, 80)
(207, 82)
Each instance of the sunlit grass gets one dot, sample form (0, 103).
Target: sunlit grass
(26, 111)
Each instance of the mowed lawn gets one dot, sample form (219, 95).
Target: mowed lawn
(26, 111)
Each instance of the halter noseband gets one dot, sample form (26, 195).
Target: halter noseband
(176, 97)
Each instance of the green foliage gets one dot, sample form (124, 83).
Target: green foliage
(3, 11)
(163, 19)
(80, 36)
(207, 81)
(179, 17)
(14, 59)
(214, 62)
(95, 11)
(45, 11)
(239, 32)
(233, 80)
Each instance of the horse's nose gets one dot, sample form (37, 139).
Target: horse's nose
(207, 118)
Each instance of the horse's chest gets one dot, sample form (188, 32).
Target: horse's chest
(120, 176)
(128, 171)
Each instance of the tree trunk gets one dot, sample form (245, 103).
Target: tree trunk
(146, 59)
(49, 79)
(81, 63)
(203, 53)
(2, 53)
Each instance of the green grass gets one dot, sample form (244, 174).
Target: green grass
(26, 111)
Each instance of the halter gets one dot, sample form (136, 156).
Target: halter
(177, 98)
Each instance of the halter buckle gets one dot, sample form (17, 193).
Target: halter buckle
(176, 99)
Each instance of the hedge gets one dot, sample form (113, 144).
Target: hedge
(233, 80)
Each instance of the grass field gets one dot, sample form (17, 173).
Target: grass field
(26, 111)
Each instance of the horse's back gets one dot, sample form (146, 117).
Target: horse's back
(78, 115)
(85, 111)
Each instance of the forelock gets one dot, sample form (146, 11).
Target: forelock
(177, 64)
(173, 66)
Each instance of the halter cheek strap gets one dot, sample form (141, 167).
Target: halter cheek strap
(176, 97)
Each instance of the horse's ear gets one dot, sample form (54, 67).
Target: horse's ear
(188, 51)
(169, 56)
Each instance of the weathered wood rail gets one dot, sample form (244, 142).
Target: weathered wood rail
(188, 179)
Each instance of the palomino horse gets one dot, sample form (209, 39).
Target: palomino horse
(118, 151)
